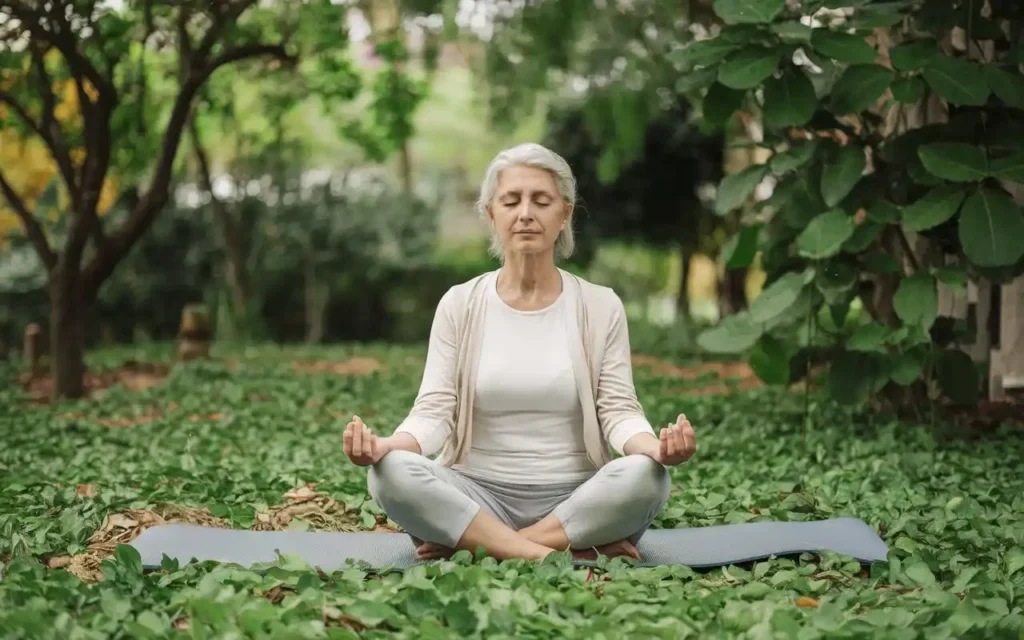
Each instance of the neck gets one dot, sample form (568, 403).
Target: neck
(529, 276)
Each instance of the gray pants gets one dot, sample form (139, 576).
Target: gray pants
(436, 503)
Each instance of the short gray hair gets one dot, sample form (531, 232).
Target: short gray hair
(530, 154)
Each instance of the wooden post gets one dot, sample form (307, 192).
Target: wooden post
(33, 349)
(194, 334)
(1007, 366)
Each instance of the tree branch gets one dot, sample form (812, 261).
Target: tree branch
(905, 244)
(220, 22)
(33, 229)
(50, 128)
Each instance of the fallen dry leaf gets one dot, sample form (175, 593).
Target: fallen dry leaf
(805, 601)
(86, 490)
(358, 365)
(303, 493)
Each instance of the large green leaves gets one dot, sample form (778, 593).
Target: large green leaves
(736, 188)
(825, 235)
(917, 301)
(789, 100)
(750, 67)
(1009, 167)
(748, 11)
(843, 47)
(958, 81)
(912, 56)
(734, 334)
(992, 229)
(841, 173)
(739, 250)
(859, 88)
(779, 296)
(954, 161)
(1007, 85)
(703, 53)
(720, 102)
(934, 208)
(958, 376)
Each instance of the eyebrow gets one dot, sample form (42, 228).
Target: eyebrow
(517, 193)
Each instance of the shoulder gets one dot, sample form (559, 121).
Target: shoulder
(458, 296)
(600, 299)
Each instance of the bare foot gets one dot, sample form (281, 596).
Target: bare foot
(612, 550)
(431, 551)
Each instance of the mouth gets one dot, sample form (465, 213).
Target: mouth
(527, 233)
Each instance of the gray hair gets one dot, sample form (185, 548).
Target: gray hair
(530, 155)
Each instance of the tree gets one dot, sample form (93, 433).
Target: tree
(100, 51)
(893, 137)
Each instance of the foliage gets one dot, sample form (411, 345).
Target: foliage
(855, 177)
(236, 439)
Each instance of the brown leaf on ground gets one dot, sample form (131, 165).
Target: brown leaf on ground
(58, 562)
(182, 624)
(805, 601)
(122, 528)
(710, 376)
(323, 513)
(135, 376)
(358, 366)
(87, 490)
(303, 493)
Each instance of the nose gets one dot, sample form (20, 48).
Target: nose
(525, 212)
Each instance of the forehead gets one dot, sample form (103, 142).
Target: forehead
(520, 179)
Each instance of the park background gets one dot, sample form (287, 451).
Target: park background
(224, 228)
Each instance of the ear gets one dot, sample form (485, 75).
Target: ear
(569, 210)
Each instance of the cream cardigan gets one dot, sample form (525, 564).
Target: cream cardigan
(441, 417)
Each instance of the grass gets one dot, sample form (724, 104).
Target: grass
(234, 442)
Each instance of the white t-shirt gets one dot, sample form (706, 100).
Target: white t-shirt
(527, 418)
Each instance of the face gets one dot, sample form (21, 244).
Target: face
(527, 211)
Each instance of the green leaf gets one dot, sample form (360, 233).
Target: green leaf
(885, 212)
(904, 369)
(958, 377)
(825, 235)
(1007, 85)
(734, 334)
(1014, 560)
(954, 161)
(770, 361)
(920, 574)
(793, 31)
(741, 248)
(958, 81)
(694, 80)
(794, 158)
(736, 188)
(859, 88)
(836, 281)
(912, 56)
(841, 173)
(128, 557)
(789, 100)
(1009, 168)
(852, 377)
(115, 606)
(868, 337)
(951, 276)
(934, 208)
(720, 102)
(916, 301)
(778, 296)
(748, 68)
(748, 11)
(991, 228)
(843, 47)
(703, 53)
(881, 15)
(909, 90)
(864, 234)
(371, 613)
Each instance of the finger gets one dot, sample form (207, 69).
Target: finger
(681, 418)
(691, 438)
(357, 440)
(677, 433)
(346, 440)
(369, 443)
(670, 443)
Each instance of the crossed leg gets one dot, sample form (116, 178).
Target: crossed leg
(607, 514)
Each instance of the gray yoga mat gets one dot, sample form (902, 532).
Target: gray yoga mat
(701, 547)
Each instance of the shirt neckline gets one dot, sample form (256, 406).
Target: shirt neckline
(531, 312)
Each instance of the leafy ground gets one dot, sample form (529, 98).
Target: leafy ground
(254, 441)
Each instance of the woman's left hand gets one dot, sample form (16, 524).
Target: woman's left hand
(677, 443)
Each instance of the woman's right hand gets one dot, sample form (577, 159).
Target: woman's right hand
(361, 445)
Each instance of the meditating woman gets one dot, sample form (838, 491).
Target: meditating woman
(527, 383)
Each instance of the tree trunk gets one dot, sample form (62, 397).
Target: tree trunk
(732, 294)
(68, 310)
(316, 303)
(683, 300)
(234, 252)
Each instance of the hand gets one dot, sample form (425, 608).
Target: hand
(677, 443)
(361, 445)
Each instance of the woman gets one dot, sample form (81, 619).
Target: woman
(527, 383)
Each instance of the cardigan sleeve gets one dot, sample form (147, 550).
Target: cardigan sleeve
(430, 421)
(618, 411)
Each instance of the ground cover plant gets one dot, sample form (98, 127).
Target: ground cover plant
(252, 439)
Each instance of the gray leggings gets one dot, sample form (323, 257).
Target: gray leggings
(436, 503)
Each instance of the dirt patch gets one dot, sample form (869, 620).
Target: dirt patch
(135, 376)
(143, 418)
(320, 511)
(709, 376)
(357, 366)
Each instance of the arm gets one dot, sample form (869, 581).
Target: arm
(618, 410)
(430, 421)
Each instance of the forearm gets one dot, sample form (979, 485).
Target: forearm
(400, 442)
(641, 444)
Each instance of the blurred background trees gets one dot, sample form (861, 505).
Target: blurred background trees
(307, 172)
